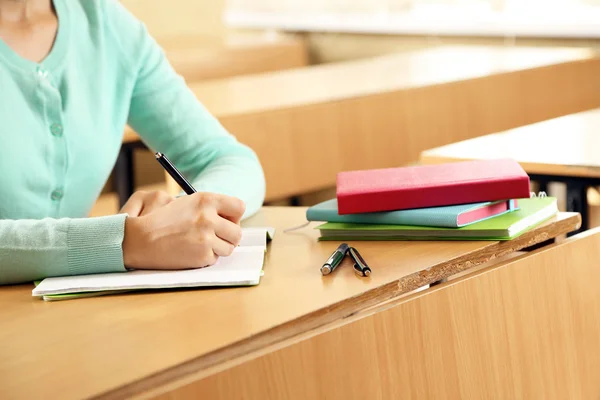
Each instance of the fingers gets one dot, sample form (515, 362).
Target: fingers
(142, 202)
(228, 207)
(155, 200)
(227, 237)
(228, 231)
(221, 247)
(211, 256)
(134, 205)
(231, 208)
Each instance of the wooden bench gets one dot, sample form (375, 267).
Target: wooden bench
(564, 149)
(308, 124)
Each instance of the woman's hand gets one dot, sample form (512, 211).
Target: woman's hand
(187, 232)
(144, 202)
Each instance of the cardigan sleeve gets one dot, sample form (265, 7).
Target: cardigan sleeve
(37, 249)
(170, 119)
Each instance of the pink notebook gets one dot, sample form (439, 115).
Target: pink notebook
(430, 186)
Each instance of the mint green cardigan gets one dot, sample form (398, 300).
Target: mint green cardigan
(61, 126)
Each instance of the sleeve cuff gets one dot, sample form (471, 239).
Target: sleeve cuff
(95, 245)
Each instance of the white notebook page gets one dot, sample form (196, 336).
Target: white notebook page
(243, 267)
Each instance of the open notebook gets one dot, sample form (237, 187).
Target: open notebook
(242, 268)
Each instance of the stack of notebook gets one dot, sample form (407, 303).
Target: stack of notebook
(475, 200)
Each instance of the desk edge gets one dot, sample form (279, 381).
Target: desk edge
(208, 364)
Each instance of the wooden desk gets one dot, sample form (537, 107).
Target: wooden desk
(308, 124)
(299, 335)
(239, 55)
(565, 149)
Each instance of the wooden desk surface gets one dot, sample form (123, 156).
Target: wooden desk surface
(568, 145)
(117, 346)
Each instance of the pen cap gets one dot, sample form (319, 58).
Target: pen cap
(360, 266)
(357, 257)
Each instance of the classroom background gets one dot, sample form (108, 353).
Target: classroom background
(321, 86)
(506, 307)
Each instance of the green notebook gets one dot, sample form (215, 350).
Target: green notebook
(69, 296)
(504, 227)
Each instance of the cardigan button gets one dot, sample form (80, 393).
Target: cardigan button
(42, 72)
(57, 194)
(56, 129)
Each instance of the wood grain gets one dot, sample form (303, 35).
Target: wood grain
(124, 345)
(565, 146)
(308, 124)
(525, 329)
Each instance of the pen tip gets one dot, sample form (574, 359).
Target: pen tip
(158, 155)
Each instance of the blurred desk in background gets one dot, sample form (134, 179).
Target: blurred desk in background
(564, 149)
(199, 60)
(308, 124)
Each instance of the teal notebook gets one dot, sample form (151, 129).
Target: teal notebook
(505, 227)
(450, 216)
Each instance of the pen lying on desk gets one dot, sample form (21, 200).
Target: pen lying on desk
(335, 259)
(360, 266)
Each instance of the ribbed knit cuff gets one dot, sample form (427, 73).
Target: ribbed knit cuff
(95, 245)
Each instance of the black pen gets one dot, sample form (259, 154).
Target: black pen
(175, 174)
(360, 266)
(335, 259)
